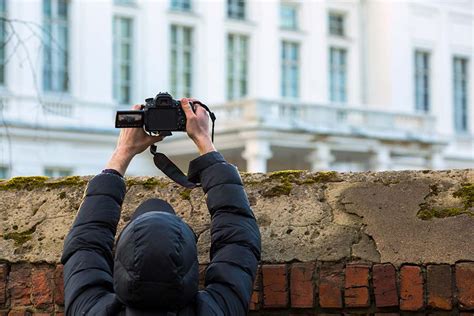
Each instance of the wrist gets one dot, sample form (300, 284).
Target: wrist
(205, 147)
(123, 153)
(119, 161)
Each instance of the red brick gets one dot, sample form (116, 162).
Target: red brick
(301, 285)
(59, 314)
(465, 284)
(438, 283)
(19, 285)
(411, 288)
(357, 286)
(3, 283)
(59, 285)
(42, 279)
(275, 286)
(330, 285)
(255, 299)
(18, 312)
(385, 285)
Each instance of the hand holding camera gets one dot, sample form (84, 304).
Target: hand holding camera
(197, 125)
(147, 124)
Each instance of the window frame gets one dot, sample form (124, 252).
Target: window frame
(343, 17)
(6, 172)
(295, 25)
(57, 172)
(240, 13)
(422, 79)
(338, 92)
(236, 78)
(51, 83)
(290, 67)
(179, 72)
(118, 61)
(181, 7)
(461, 110)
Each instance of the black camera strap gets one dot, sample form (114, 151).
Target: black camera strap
(163, 163)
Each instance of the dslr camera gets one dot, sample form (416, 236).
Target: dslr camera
(159, 114)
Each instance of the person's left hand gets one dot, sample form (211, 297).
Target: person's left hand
(131, 142)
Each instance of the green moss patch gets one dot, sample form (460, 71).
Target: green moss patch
(465, 193)
(30, 183)
(427, 214)
(20, 237)
(149, 182)
(23, 183)
(282, 189)
(185, 194)
(284, 174)
(66, 181)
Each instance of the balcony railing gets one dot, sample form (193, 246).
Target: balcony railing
(274, 115)
(322, 118)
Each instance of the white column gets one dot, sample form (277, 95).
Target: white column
(380, 160)
(435, 160)
(321, 158)
(256, 153)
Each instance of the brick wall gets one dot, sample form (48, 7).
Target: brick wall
(352, 243)
(310, 288)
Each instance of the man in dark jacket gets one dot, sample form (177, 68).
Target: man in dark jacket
(155, 270)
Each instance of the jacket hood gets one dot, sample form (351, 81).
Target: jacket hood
(156, 262)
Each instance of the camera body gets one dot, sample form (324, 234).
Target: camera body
(159, 114)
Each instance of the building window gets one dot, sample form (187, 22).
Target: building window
(236, 9)
(3, 172)
(56, 51)
(181, 61)
(3, 39)
(54, 172)
(422, 81)
(289, 16)
(181, 5)
(338, 74)
(237, 57)
(460, 86)
(336, 24)
(122, 59)
(290, 56)
(124, 2)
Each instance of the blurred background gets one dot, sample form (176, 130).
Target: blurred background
(347, 85)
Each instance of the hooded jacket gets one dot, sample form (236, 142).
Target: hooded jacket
(155, 270)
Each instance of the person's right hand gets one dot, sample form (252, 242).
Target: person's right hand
(197, 126)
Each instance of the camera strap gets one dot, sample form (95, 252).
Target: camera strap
(172, 171)
(163, 163)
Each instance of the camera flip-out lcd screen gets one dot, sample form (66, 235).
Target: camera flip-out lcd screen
(129, 119)
(165, 118)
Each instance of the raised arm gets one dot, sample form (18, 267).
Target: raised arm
(87, 255)
(235, 238)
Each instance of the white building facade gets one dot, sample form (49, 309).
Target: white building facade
(296, 84)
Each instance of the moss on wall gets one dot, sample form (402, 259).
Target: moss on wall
(148, 182)
(20, 237)
(30, 183)
(465, 194)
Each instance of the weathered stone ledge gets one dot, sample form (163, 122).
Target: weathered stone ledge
(408, 216)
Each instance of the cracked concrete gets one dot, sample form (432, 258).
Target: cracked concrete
(369, 216)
